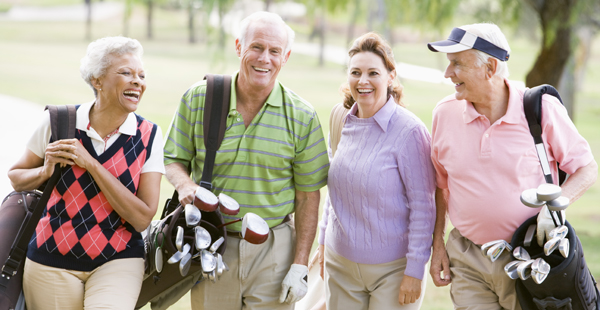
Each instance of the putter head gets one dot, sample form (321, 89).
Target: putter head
(511, 269)
(551, 245)
(524, 269)
(530, 199)
(548, 191)
(521, 254)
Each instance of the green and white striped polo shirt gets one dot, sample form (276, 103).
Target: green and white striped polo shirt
(261, 166)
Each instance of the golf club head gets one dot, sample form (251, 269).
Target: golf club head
(524, 269)
(254, 229)
(215, 246)
(529, 198)
(179, 238)
(521, 254)
(538, 277)
(496, 250)
(548, 191)
(486, 246)
(192, 215)
(213, 276)
(560, 232)
(205, 200)
(220, 267)
(541, 266)
(563, 247)
(184, 264)
(208, 261)
(179, 254)
(511, 269)
(228, 205)
(551, 245)
(558, 204)
(201, 238)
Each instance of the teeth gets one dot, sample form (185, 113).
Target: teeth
(261, 69)
(364, 90)
(131, 93)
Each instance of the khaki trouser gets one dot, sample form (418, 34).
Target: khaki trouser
(255, 274)
(114, 285)
(477, 283)
(351, 286)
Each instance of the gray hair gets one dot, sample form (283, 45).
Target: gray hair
(492, 33)
(265, 17)
(97, 58)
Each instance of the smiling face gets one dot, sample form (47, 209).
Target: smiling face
(262, 56)
(123, 83)
(368, 79)
(469, 79)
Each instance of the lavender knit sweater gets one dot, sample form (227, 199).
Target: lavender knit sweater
(381, 182)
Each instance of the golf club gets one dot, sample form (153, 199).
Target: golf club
(521, 254)
(551, 245)
(192, 215)
(529, 198)
(558, 204)
(529, 235)
(511, 269)
(184, 265)
(524, 270)
(179, 238)
(201, 237)
(560, 232)
(563, 247)
(548, 191)
(179, 255)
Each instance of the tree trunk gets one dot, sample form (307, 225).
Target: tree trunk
(322, 38)
(126, 16)
(352, 23)
(268, 4)
(88, 20)
(222, 34)
(149, 20)
(555, 18)
(191, 28)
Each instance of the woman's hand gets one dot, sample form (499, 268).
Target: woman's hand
(410, 290)
(58, 152)
(321, 250)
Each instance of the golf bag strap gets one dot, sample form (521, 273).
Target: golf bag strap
(337, 118)
(532, 105)
(216, 109)
(62, 126)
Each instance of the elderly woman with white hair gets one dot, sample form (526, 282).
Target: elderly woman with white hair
(87, 250)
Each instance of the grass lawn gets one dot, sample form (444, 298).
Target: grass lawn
(40, 62)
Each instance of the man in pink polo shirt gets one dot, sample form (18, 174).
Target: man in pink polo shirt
(485, 157)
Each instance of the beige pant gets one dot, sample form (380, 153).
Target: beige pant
(114, 285)
(351, 286)
(477, 283)
(254, 277)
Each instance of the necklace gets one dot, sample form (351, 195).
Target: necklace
(105, 139)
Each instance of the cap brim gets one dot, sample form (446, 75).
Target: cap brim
(447, 46)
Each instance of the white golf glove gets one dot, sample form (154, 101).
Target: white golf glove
(545, 224)
(295, 285)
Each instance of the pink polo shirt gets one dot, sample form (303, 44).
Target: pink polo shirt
(486, 167)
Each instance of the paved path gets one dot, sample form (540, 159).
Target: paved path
(18, 119)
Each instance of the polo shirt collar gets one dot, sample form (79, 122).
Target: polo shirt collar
(275, 97)
(513, 111)
(129, 127)
(382, 117)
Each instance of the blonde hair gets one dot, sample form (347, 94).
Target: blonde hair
(372, 42)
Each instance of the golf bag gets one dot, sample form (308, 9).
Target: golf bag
(20, 213)
(569, 285)
(164, 288)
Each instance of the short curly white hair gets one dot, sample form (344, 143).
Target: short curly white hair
(97, 58)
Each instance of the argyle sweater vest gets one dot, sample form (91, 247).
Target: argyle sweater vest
(79, 230)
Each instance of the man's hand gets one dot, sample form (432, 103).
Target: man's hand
(545, 225)
(410, 290)
(295, 284)
(440, 263)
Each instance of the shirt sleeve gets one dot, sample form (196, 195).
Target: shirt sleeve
(418, 176)
(180, 143)
(156, 161)
(561, 137)
(311, 163)
(41, 136)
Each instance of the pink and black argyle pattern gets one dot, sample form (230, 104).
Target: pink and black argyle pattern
(79, 230)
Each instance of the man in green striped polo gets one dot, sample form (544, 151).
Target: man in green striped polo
(273, 161)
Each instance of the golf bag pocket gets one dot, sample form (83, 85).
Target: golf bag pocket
(569, 284)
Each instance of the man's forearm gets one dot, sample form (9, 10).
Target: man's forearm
(580, 181)
(306, 219)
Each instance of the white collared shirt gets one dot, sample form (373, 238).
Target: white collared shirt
(41, 136)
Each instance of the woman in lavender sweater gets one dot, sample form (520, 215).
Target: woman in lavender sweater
(378, 218)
